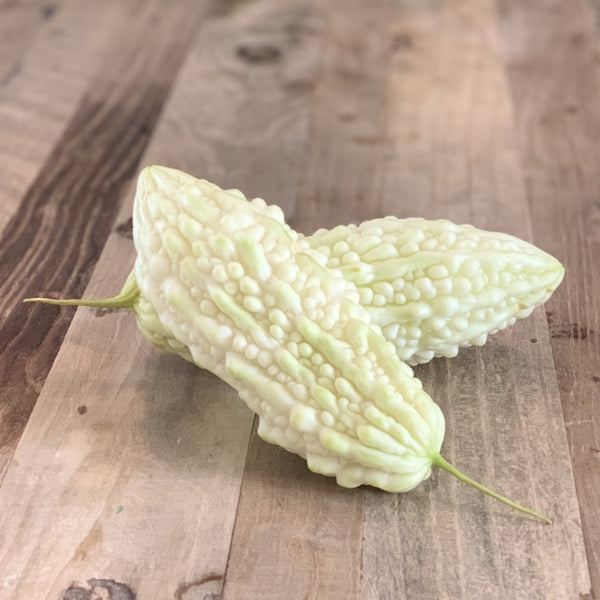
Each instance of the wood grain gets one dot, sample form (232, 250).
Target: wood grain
(252, 73)
(19, 24)
(129, 463)
(52, 53)
(137, 475)
(555, 81)
(456, 157)
(54, 239)
(347, 136)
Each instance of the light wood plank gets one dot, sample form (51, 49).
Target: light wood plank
(240, 112)
(552, 57)
(129, 468)
(347, 136)
(52, 53)
(20, 23)
(269, 113)
(295, 532)
(455, 157)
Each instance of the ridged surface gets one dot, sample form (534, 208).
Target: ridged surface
(253, 304)
(434, 286)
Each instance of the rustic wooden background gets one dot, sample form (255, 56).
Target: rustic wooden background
(127, 473)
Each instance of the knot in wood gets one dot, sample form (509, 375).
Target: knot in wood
(259, 53)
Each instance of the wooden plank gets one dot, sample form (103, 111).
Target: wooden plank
(552, 57)
(128, 472)
(52, 52)
(268, 113)
(240, 111)
(296, 532)
(347, 136)
(19, 24)
(455, 156)
(55, 237)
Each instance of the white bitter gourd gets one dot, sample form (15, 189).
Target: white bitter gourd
(434, 287)
(227, 284)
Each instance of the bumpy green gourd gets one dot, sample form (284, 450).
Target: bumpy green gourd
(227, 284)
(433, 286)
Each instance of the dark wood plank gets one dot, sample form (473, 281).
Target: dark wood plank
(55, 237)
(552, 56)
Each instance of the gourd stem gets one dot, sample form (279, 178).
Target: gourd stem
(125, 299)
(440, 461)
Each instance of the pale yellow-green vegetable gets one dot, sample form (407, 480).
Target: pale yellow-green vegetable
(227, 284)
(434, 287)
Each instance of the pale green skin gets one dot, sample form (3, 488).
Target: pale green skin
(464, 285)
(253, 304)
(435, 287)
(228, 285)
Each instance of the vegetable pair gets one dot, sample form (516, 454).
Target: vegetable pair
(298, 325)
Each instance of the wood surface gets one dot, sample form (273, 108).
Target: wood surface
(129, 473)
